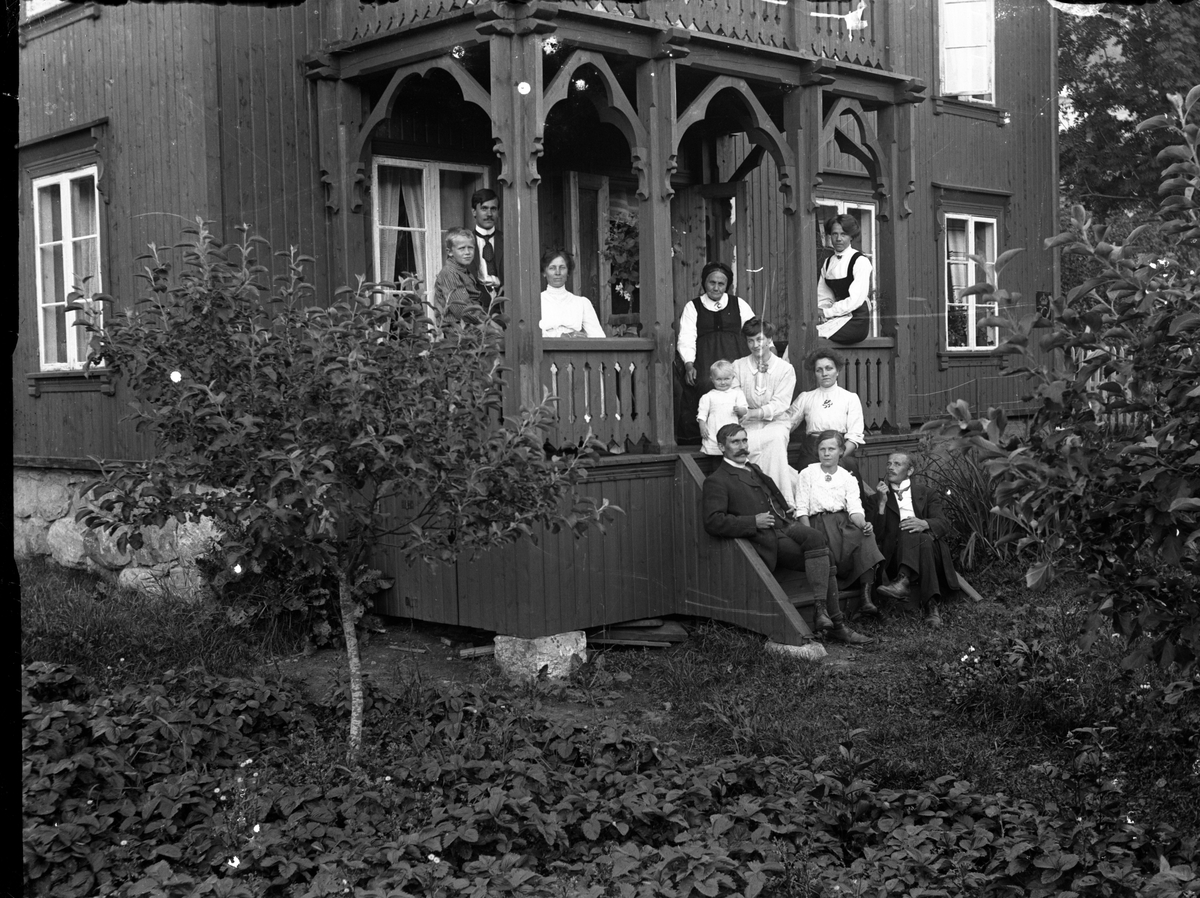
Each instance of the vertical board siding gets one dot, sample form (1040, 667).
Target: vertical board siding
(269, 130)
(145, 68)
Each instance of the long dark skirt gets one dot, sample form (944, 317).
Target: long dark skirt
(854, 552)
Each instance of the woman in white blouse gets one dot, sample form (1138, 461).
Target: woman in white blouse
(827, 498)
(768, 382)
(563, 313)
(828, 407)
(843, 285)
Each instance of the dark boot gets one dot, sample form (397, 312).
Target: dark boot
(817, 570)
(839, 631)
(899, 588)
(865, 605)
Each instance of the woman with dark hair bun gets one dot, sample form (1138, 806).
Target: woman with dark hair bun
(843, 285)
(563, 313)
(768, 383)
(828, 407)
(710, 329)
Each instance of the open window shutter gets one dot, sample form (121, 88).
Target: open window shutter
(967, 52)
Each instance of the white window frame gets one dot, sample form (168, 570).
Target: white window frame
(70, 282)
(34, 8)
(967, 28)
(844, 206)
(435, 229)
(974, 307)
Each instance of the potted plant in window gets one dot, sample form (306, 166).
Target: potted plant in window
(621, 251)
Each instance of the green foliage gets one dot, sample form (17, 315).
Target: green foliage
(1106, 481)
(622, 250)
(235, 787)
(1115, 69)
(979, 536)
(308, 434)
(123, 637)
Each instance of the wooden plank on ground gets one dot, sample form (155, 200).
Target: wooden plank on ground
(644, 643)
(968, 588)
(477, 651)
(667, 632)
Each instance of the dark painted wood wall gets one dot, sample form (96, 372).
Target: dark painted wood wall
(204, 111)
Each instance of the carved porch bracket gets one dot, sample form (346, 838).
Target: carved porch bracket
(671, 44)
(911, 91)
(514, 18)
(759, 127)
(472, 91)
(864, 147)
(817, 72)
(616, 111)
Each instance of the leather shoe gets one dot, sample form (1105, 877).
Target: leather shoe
(932, 617)
(821, 620)
(844, 634)
(898, 589)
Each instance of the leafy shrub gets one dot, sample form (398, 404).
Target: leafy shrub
(236, 788)
(1104, 482)
(309, 434)
(979, 535)
(120, 636)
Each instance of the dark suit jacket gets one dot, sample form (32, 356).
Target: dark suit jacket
(732, 498)
(497, 266)
(927, 505)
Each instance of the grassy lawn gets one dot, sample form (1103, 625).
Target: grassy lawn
(989, 757)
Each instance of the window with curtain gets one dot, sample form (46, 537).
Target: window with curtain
(865, 243)
(968, 236)
(415, 204)
(66, 222)
(968, 50)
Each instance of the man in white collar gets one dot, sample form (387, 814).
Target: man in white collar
(741, 501)
(489, 242)
(910, 528)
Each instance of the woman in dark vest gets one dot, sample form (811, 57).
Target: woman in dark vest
(843, 285)
(710, 328)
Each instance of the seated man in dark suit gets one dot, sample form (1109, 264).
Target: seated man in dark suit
(910, 527)
(740, 500)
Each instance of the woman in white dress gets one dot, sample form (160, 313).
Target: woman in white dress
(768, 382)
(563, 313)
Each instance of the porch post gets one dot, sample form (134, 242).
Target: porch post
(895, 133)
(656, 107)
(339, 120)
(514, 30)
(802, 126)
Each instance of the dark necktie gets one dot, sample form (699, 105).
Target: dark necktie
(489, 253)
(767, 484)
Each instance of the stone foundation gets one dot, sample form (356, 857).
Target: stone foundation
(44, 505)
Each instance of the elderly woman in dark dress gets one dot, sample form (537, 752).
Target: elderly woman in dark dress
(710, 328)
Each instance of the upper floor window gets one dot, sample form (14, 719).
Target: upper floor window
(967, 236)
(865, 243)
(37, 7)
(968, 50)
(66, 223)
(415, 204)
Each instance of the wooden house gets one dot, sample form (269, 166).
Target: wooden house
(720, 129)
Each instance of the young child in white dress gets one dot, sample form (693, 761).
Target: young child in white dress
(723, 404)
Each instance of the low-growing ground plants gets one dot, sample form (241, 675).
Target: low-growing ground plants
(722, 769)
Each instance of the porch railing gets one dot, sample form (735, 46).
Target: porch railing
(784, 24)
(869, 373)
(603, 385)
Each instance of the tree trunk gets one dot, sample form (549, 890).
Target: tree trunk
(350, 615)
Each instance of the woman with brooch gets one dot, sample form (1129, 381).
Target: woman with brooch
(828, 407)
(827, 498)
(768, 383)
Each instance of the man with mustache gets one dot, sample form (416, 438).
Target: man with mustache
(740, 500)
